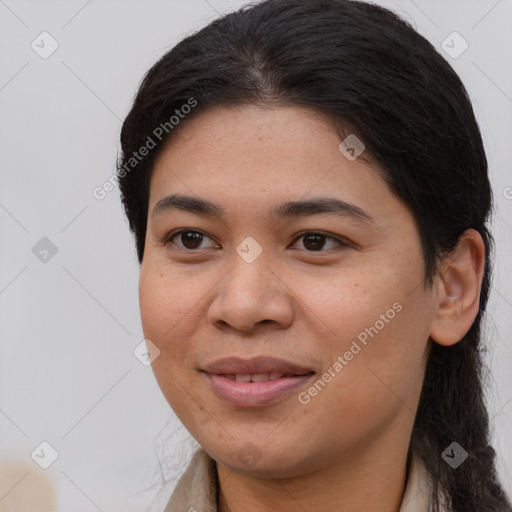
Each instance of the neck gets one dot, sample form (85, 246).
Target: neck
(374, 479)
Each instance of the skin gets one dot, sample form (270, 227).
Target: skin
(346, 449)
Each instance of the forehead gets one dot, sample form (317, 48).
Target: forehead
(260, 158)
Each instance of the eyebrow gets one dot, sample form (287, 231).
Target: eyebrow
(322, 205)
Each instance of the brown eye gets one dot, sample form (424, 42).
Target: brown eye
(315, 242)
(189, 239)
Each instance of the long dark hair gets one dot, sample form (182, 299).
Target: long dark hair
(364, 67)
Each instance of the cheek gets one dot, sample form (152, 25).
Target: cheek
(378, 324)
(162, 316)
(153, 303)
(168, 301)
(347, 305)
(164, 321)
(382, 349)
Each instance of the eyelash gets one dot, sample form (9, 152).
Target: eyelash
(168, 239)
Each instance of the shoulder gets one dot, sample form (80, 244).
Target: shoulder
(417, 491)
(196, 490)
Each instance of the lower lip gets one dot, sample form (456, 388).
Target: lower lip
(254, 394)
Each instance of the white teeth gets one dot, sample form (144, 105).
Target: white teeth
(259, 377)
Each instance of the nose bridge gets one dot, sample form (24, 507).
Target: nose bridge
(251, 292)
(256, 259)
(249, 278)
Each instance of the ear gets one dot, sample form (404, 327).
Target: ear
(457, 295)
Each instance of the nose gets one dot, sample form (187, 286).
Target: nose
(251, 294)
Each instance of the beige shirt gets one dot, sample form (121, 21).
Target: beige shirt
(196, 490)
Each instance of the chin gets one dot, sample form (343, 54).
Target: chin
(261, 458)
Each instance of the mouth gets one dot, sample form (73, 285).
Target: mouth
(261, 377)
(255, 382)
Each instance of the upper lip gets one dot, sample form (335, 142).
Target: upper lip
(255, 365)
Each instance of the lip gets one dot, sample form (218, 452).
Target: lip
(260, 364)
(255, 394)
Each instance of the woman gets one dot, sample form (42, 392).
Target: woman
(308, 190)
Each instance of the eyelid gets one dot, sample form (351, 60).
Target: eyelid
(168, 237)
(342, 241)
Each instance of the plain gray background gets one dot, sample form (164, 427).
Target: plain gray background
(69, 324)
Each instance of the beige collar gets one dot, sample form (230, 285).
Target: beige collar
(196, 490)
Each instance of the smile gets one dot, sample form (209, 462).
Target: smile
(255, 390)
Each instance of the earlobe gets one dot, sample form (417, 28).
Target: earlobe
(458, 283)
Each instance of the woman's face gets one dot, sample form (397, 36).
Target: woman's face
(344, 309)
